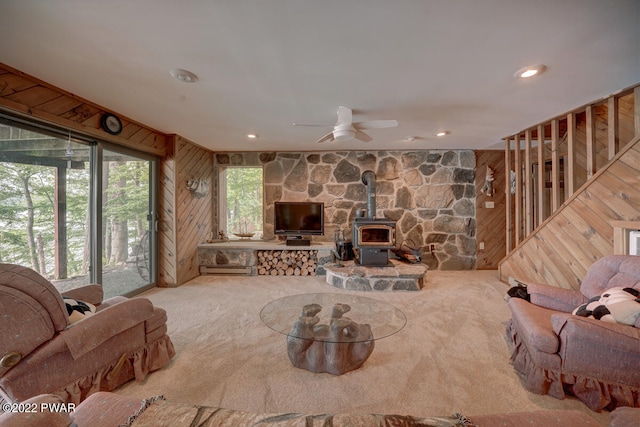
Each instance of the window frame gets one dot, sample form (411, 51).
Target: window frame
(222, 198)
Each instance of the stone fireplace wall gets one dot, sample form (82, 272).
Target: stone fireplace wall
(430, 193)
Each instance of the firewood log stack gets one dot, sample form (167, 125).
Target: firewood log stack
(287, 263)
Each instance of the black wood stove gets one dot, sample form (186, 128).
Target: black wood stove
(372, 237)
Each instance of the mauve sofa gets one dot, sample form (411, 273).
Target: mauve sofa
(105, 409)
(559, 353)
(41, 352)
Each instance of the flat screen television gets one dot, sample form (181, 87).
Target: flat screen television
(297, 219)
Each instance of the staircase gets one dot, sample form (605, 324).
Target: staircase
(580, 230)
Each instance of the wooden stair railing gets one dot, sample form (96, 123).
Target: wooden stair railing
(550, 165)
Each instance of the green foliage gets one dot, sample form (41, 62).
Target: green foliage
(128, 191)
(128, 200)
(41, 186)
(244, 199)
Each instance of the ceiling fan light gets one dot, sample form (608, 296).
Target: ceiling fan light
(343, 135)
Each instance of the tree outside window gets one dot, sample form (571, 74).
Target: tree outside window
(241, 202)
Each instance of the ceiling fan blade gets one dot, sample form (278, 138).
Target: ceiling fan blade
(344, 116)
(362, 136)
(327, 137)
(311, 125)
(376, 124)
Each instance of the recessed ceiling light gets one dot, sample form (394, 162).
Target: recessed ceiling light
(184, 75)
(530, 71)
(442, 133)
(252, 136)
(410, 138)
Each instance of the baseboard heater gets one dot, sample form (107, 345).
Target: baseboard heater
(227, 270)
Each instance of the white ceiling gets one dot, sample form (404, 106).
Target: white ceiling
(265, 64)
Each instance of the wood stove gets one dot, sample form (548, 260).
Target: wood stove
(372, 237)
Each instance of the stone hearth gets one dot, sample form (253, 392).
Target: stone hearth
(398, 276)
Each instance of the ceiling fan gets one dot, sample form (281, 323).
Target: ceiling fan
(346, 130)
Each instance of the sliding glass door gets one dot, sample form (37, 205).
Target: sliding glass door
(76, 210)
(126, 223)
(44, 204)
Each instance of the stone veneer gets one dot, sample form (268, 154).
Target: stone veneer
(399, 276)
(430, 193)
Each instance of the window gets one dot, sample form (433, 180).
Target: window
(240, 201)
(44, 188)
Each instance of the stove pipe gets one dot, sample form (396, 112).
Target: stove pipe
(369, 179)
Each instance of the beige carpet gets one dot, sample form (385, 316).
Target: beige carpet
(452, 355)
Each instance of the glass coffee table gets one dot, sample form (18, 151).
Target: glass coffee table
(332, 333)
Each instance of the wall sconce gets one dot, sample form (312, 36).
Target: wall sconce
(199, 187)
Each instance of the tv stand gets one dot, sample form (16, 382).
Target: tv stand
(297, 241)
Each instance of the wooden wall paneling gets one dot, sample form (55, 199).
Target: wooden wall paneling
(489, 219)
(518, 195)
(11, 82)
(167, 227)
(590, 141)
(570, 161)
(194, 214)
(536, 262)
(540, 182)
(509, 244)
(601, 134)
(34, 96)
(562, 249)
(631, 160)
(613, 134)
(555, 167)
(528, 190)
(576, 239)
(626, 118)
(636, 110)
(617, 192)
(60, 105)
(598, 239)
(561, 237)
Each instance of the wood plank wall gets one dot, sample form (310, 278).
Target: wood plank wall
(193, 215)
(167, 239)
(28, 96)
(488, 219)
(580, 232)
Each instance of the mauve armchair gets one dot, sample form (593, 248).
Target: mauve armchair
(559, 353)
(41, 352)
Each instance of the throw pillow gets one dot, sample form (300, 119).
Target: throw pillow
(78, 310)
(615, 305)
